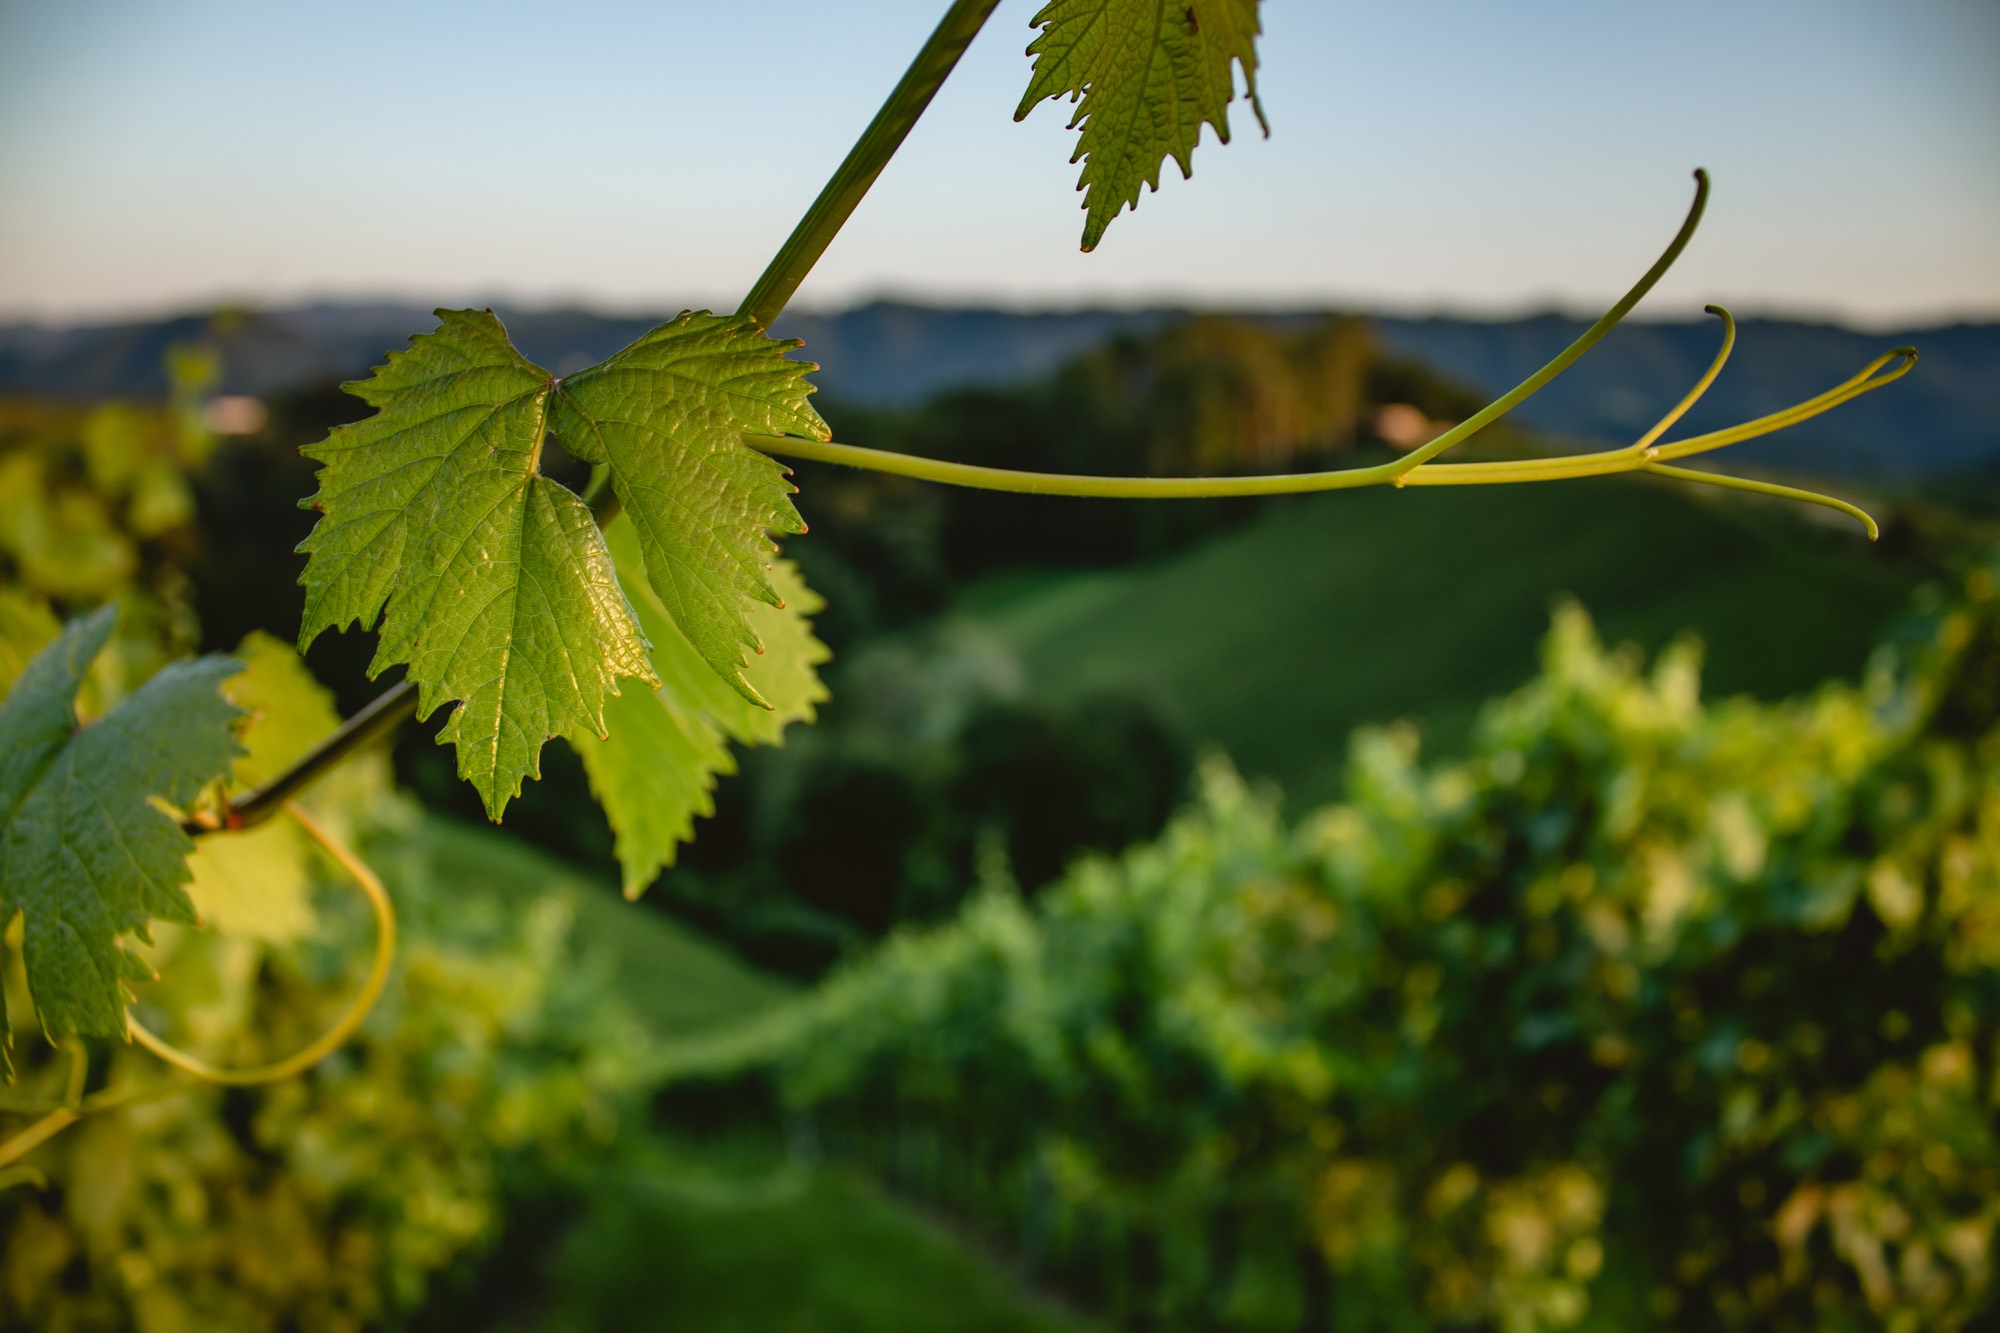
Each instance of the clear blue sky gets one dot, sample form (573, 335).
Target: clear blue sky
(1477, 155)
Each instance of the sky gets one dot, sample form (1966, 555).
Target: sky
(1458, 156)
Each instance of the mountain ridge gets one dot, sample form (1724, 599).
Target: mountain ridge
(1942, 420)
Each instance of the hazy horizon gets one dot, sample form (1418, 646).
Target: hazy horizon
(1028, 307)
(1435, 157)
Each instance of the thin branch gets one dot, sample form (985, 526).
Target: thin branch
(974, 477)
(382, 715)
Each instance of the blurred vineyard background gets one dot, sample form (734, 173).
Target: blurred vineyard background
(1576, 906)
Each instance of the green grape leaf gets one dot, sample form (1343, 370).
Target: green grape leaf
(786, 673)
(26, 627)
(666, 415)
(85, 854)
(1146, 76)
(490, 580)
(653, 775)
(656, 771)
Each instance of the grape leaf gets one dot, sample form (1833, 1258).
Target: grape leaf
(665, 414)
(655, 773)
(253, 884)
(26, 627)
(1146, 75)
(498, 592)
(492, 581)
(85, 855)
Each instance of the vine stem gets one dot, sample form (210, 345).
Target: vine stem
(34, 1136)
(1414, 469)
(380, 716)
(58, 1118)
(865, 161)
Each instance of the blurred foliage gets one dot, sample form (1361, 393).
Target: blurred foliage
(733, 1235)
(326, 1202)
(1644, 1013)
(877, 815)
(1647, 1012)
(84, 493)
(96, 502)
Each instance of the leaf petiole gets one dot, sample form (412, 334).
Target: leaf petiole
(377, 718)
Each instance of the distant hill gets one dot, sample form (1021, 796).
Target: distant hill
(883, 354)
(1942, 420)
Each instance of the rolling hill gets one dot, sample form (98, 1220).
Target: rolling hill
(1275, 640)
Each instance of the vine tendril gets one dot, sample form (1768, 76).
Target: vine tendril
(58, 1116)
(357, 1010)
(1416, 468)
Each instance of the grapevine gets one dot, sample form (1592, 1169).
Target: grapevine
(644, 621)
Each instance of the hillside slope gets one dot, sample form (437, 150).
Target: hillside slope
(1276, 640)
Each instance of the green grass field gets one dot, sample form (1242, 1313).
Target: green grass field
(1274, 641)
(677, 983)
(730, 1235)
(736, 1240)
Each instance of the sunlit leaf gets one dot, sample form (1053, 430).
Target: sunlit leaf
(490, 580)
(1146, 75)
(655, 772)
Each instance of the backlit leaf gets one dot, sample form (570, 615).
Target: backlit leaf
(1146, 76)
(493, 583)
(666, 415)
(490, 580)
(655, 773)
